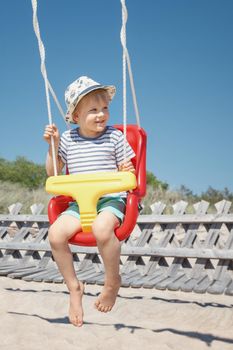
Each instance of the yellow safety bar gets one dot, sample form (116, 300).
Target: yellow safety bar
(87, 188)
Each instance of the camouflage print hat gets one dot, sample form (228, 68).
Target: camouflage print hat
(80, 88)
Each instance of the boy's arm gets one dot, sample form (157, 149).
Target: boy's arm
(49, 162)
(126, 166)
(124, 154)
(52, 130)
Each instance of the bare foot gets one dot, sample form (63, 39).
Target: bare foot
(108, 295)
(76, 309)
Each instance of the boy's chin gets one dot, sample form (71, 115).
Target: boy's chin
(100, 128)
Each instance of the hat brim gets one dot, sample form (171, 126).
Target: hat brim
(111, 90)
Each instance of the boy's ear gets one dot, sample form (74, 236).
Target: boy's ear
(75, 118)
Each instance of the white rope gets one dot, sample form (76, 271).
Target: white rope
(44, 74)
(58, 105)
(127, 59)
(43, 68)
(124, 79)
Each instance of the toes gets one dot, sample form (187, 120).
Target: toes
(103, 308)
(76, 322)
(79, 323)
(97, 303)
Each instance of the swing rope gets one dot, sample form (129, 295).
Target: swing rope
(43, 67)
(44, 74)
(126, 58)
(48, 87)
(124, 78)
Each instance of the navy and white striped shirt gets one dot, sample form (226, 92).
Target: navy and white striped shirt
(89, 155)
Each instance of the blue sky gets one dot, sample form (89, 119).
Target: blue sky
(182, 59)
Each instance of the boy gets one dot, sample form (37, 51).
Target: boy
(91, 147)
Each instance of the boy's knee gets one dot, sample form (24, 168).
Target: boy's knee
(51, 235)
(101, 231)
(54, 237)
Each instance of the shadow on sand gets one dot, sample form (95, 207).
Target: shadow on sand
(207, 338)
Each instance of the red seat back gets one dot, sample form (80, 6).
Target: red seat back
(136, 137)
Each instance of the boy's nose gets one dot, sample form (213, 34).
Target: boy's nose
(100, 114)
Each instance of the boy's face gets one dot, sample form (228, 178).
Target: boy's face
(92, 115)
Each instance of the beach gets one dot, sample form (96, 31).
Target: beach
(34, 316)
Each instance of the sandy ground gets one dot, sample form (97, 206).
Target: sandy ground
(34, 316)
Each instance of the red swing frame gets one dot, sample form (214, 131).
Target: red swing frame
(136, 137)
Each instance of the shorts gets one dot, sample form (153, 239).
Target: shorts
(115, 205)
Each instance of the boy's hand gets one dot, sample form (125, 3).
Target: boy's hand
(51, 130)
(127, 166)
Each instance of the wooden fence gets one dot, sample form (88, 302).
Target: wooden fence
(179, 251)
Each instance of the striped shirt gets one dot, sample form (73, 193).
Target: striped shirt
(89, 155)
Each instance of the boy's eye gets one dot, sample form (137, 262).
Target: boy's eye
(93, 110)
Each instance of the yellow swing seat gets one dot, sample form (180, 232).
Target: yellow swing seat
(87, 188)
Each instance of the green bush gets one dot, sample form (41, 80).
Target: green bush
(23, 171)
(151, 180)
(213, 196)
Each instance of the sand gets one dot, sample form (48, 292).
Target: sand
(34, 316)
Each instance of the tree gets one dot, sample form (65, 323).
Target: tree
(154, 182)
(185, 191)
(23, 171)
(213, 196)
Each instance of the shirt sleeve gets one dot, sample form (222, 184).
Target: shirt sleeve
(119, 149)
(62, 149)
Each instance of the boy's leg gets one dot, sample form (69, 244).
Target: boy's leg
(109, 248)
(59, 233)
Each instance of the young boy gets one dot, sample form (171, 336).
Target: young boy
(91, 147)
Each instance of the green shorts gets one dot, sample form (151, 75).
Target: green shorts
(115, 205)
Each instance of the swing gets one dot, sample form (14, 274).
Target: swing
(86, 189)
(136, 137)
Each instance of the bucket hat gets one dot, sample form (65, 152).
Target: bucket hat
(80, 88)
